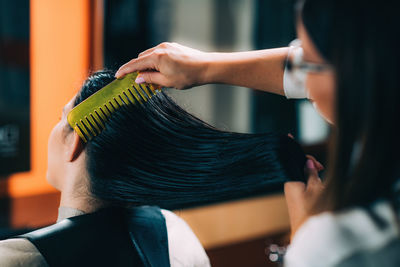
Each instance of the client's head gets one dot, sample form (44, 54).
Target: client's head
(156, 153)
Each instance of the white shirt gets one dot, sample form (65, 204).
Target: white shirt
(329, 238)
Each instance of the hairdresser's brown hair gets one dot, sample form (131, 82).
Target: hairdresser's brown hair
(360, 39)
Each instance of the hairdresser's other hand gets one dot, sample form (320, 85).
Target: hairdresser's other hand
(168, 65)
(317, 164)
(301, 197)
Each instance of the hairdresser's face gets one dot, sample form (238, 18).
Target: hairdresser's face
(321, 85)
(58, 147)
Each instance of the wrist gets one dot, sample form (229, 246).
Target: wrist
(207, 68)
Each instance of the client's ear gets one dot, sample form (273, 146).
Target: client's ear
(75, 148)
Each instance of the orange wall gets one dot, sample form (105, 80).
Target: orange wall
(59, 63)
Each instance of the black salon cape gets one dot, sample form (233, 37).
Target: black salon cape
(109, 237)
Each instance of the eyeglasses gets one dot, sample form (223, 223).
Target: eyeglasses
(307, 66)
(296, 70)
(295, 61)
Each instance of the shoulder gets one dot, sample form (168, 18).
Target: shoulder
(184, 247)
(333, 237)
(20, 252)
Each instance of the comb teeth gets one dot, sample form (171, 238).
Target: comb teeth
(88, 118)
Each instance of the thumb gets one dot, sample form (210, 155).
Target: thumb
(153, 77)
(312, 172)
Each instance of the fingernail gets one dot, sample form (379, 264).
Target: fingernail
(310, 164)
(139, 80)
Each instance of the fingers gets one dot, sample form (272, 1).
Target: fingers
(294, 191)
(152, 77)
(161, 46)
(137, 64)
(312, 172)
(168, 65)
(300, 197)
(144, 61)
(314, 185)
(124, 69)
(317, 164)
(148, 51)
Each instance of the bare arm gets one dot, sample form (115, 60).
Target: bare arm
(174, 65)
(260, 69)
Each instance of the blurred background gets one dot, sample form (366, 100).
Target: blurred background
(47, 48)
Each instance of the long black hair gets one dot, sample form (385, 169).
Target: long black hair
(158, 154)
(360, 40)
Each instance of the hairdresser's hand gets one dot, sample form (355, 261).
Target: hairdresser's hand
(168, 65)
(317, 164)
(301, 197)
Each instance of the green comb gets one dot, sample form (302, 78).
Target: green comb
(89, 117)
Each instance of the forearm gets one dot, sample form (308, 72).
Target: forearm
(261, 69)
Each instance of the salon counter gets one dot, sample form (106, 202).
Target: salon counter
(237, 221)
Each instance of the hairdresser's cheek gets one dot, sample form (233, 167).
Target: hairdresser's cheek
(321, 91)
